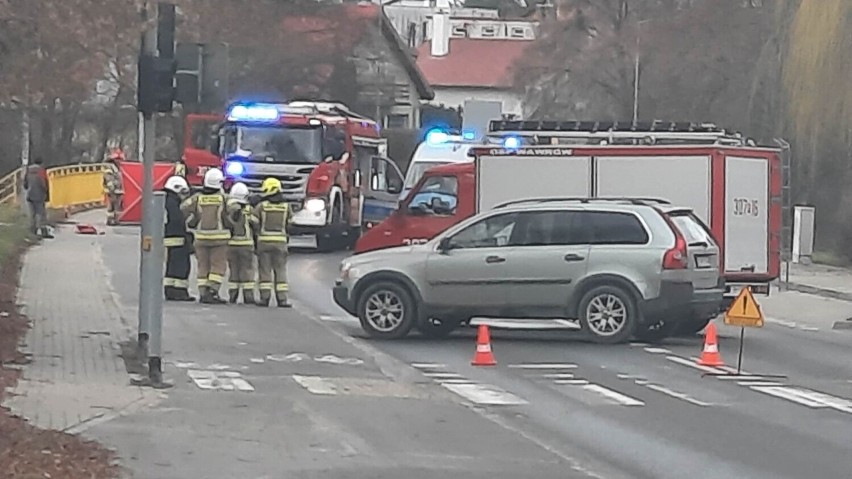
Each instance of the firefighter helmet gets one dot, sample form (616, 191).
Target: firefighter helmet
(271, 186)
(213, 178)
(240, 193)
(177, 184)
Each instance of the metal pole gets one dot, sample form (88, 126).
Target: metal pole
(636, 75)
(146, 269)
(740, 355)
(157, 257)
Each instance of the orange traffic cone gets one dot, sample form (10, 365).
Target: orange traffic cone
(710, 355)
(484, 356)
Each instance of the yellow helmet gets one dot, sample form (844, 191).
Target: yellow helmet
(271, 186)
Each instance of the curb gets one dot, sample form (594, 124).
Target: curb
(823, 292)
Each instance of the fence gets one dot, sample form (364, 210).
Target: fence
(71, 187)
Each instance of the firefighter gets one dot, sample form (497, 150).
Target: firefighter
(241, 246)
(177, 242)
(206, 213)
(113, 186)
(273, 214)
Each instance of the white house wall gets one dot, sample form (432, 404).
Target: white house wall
(456, 96)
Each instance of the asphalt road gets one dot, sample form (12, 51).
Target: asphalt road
(647, 411)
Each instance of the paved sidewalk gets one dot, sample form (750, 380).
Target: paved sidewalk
(76, 378)
(824, 280)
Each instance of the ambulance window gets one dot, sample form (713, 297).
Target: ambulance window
(378, 175)
(437, 196)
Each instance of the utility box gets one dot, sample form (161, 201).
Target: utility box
(477, 115)
(803, 233)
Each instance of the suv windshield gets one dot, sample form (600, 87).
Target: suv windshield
(693, 229)
(280, 144)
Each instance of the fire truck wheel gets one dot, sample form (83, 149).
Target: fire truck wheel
(386, 311)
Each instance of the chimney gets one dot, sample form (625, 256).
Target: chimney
(441, 29)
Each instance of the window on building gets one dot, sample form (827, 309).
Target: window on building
(518, 32)
(396, 121)
(412, 35)
(459, 31)
(488, 31)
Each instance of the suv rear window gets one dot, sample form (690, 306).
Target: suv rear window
(610, 227)
(693, 229)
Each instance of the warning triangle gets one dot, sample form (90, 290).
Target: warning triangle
(744, 311)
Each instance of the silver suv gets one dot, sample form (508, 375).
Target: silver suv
(621, 267)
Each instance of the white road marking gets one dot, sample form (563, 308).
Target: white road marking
(613, 395)
(742, 377)
(428, 365)
(834, 402)
(442, 375)
(257, 360)
(687, 362)
(558, 376)
(638, 345)
(185, 364)
(733, 370)
(331, 358)
(316, 385)
(485, 395)
(572, 382)
(788, 324)
(292, 357)
(455, 381)
(657, 350)
(219, 380)
(335, 319)
(759, 383)
(789, 394)
(809, 328)
(675, 394)
(543, 366)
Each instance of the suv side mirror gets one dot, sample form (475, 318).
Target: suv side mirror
(445, 245)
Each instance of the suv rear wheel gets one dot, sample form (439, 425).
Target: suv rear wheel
(608, 314)
(386, 311)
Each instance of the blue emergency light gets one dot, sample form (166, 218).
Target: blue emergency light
(258, 112)
(469, 135)
(437, 137)
(234, 168)
(512, 143)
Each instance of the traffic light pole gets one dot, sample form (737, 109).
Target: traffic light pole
(151, 260)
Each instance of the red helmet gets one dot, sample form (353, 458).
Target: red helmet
(116, 155)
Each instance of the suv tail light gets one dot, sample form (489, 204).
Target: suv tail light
(677, 257)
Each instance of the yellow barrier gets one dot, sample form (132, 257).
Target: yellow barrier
(75, 185)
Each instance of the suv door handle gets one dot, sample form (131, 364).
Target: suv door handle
(571, 257)
(495, 259)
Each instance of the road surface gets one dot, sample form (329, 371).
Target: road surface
(648, 411)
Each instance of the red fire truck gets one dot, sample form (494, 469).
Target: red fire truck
(734, 186)
(332, 163)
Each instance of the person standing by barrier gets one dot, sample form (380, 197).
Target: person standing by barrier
(206, 213)
(273, 215)
(241, 246)
(113, 186)
(178, 249)
(38, 193)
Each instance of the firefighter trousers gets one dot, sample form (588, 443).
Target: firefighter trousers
(241, 266)
(272, 272)
(177, 268)
(114, 203)
(212, 261)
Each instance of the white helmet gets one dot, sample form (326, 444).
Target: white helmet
(177, 184)
(240, 193)
(213, 178)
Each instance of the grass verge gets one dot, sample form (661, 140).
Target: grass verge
(27, 452)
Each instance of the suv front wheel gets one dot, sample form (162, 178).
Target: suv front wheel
(386, 311)
(608, 314)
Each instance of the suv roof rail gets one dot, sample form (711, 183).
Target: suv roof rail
(587, 199)
(644, 132)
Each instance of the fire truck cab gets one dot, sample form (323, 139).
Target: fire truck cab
(331, 162)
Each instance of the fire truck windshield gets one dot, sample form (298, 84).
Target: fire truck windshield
(280, 144)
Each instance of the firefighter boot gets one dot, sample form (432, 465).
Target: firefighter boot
(233, 295)
(170, 293)
(248, 296)
(182, 294)
(265, 296)
(281, 299)
(210, 296)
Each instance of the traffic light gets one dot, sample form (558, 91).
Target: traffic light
(156, 89)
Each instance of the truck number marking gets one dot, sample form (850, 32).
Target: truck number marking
(746, 207)
(414, 241)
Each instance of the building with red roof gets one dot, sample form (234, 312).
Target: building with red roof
(474, 59)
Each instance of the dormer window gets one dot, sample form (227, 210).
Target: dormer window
(489, 31)
(518, 32)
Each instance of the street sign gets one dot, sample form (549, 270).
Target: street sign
(744, 311)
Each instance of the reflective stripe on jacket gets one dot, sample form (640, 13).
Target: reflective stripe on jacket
(242, 220)
(206, 214)
(273, 219)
